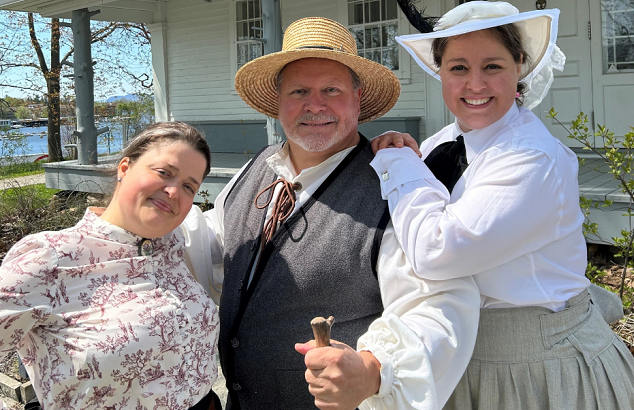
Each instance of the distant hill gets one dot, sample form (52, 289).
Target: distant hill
(129, 97)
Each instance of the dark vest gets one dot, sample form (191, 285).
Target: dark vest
(320, 262)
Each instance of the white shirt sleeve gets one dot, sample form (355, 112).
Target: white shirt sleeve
(425, 337)
(204, 242)
(512, 205)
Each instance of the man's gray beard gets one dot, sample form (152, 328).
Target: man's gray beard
(313, 143)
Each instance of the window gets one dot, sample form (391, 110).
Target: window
(617, 18)
(248, 31)
(374, 24)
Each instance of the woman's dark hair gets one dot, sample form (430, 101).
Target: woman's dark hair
(165, 133)
(508, 34)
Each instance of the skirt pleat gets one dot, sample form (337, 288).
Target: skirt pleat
(535, 359)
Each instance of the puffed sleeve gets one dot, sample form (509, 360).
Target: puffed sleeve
(27, 290)
(425, 337)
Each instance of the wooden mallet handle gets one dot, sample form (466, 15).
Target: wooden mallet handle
(321, 329)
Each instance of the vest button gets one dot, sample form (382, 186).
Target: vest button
(235, 342)
(236, 386)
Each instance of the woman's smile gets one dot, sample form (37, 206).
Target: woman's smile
(478, 83)
(477, 102)
(162, 205)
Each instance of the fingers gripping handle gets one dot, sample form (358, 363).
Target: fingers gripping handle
(321, 329)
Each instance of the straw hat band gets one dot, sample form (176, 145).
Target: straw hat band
(322, 48)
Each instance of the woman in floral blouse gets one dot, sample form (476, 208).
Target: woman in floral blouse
(106, 315)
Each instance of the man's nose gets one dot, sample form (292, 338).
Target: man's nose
(315, 103)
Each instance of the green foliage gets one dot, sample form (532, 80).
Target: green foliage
(13, 198)
(22, 112)
(618, 154)
(138, 113)
(205, 205)
(35, 208)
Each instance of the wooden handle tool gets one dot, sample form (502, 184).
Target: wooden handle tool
(321, 329)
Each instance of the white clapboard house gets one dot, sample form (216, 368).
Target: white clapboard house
(198, 45)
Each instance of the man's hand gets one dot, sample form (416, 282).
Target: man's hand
(393, 139)
(338, 376)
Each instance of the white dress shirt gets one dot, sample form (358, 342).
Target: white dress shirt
(513, 219)
(426, 334)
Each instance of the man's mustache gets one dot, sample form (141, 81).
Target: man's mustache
(319, 118)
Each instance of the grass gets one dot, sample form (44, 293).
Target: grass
(14, 197)
(20, 170)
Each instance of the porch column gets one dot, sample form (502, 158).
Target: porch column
(159, 68)
(84, 88)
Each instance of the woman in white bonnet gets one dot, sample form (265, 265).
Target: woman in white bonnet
(496, 197)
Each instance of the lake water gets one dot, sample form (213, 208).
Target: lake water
(36, 142)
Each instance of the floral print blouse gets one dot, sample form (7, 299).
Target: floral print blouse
(99, 327)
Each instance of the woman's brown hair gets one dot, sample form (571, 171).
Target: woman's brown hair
(164, 133)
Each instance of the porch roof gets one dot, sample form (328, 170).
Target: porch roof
(133, 11)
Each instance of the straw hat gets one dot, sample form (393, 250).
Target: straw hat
(317, 37)
(537, 28)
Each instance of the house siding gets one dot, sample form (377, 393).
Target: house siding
(199, 63)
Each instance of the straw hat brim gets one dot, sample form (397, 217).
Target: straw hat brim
(538, 29)
(255, 81)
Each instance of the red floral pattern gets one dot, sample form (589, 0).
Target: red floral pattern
(99, 327)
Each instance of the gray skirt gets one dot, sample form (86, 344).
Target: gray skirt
(533, 359)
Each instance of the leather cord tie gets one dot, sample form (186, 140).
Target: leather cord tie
(282, 209)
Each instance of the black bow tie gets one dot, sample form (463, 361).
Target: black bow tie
(448, 161)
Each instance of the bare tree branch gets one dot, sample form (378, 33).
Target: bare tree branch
(142, 79)
(36, 45)
(20, 87)
(15, 65)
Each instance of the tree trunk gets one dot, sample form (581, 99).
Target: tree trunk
(53, 91)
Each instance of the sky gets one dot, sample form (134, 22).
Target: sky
(123, 54)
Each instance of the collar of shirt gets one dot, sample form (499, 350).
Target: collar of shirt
(281, 164)
(93, 226)
(476, 141)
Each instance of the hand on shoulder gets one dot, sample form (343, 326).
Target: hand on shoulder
(394, 139)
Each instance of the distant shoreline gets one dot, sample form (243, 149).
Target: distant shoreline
(36, 138)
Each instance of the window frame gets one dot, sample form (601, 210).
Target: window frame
(233, 42)
(404, 61)
(605, 45)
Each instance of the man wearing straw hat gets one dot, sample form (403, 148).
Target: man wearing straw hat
(302, 231)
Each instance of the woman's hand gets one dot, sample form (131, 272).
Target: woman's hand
(393, 139)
